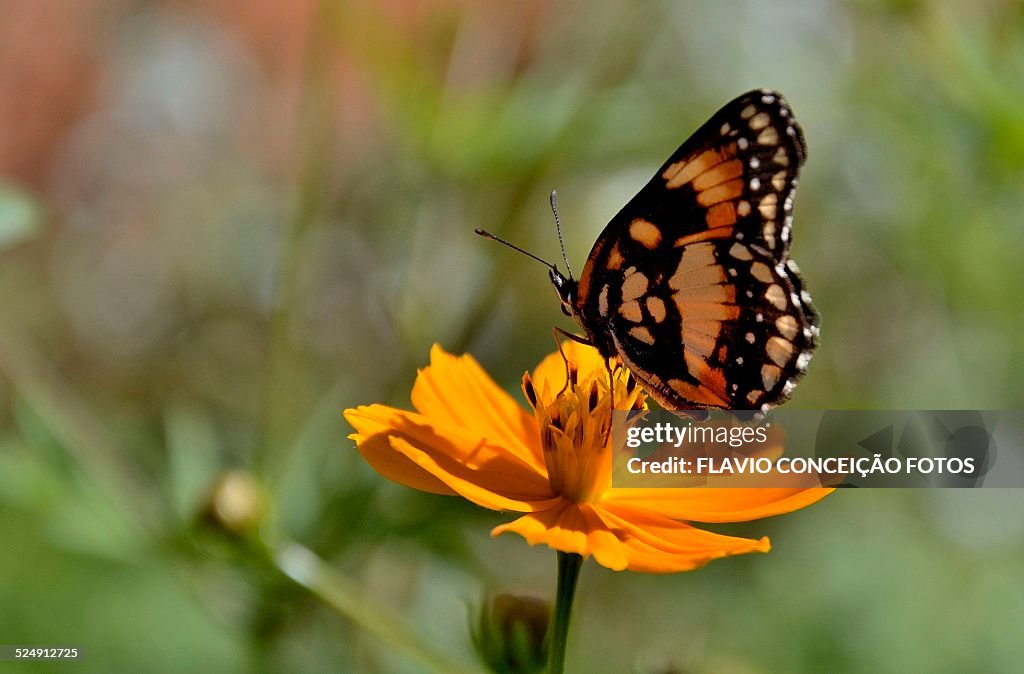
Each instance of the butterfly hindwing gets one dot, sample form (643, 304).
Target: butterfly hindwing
(691, 284)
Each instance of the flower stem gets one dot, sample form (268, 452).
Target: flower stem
(568, 573)
(346, 598)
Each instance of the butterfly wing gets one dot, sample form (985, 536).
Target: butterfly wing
(691, 282)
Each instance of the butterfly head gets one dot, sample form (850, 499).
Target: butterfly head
(566, 287)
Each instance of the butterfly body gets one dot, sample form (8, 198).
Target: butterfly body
(691, 284)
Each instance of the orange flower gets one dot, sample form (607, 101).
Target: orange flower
(469, 438)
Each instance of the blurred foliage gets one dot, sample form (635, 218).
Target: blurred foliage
(19, 216)
(223, 222)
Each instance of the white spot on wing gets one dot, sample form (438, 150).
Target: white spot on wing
(802, 360)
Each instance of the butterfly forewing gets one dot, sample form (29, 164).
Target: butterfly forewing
(691, 284)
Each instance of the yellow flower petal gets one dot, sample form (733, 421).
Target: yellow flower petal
(549, 376)
(408, 448)
(373, 424)
(656, 544)
(701, 504)
(455, 391)
(498, 484)
(620, 537)
(569, 527)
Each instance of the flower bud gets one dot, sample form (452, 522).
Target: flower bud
(511, 636)
(236, 504)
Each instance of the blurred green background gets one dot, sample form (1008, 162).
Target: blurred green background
(222, 222)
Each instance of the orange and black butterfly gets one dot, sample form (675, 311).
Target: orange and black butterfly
(691, 284)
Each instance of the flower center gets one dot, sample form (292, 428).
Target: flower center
(575, 430)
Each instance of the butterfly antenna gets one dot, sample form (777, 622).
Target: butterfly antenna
(558, 228)
(494, 237)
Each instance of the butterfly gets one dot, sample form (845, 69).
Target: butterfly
(691, 284)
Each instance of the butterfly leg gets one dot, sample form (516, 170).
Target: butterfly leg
(570, 372)
(561, 332)
(611, 382)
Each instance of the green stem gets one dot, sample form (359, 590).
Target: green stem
(346, 598)
(568, 573)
